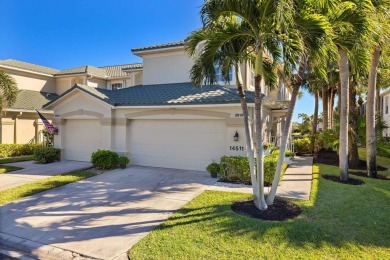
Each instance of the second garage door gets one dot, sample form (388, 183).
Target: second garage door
(180, 144)
(82, 137)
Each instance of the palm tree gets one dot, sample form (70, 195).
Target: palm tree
(8, 90)
(262, 24)
(380, 17)
(349, 24)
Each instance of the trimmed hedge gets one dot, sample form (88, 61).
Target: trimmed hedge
(236, 169)
(302, 145)
(11, 150)
(104, 159)
(47, 155)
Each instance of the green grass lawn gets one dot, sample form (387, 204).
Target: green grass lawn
(339, 222)
(16, 159)
(42, 185)
(382, 161)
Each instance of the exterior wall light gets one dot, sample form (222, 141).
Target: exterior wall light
(235, 137)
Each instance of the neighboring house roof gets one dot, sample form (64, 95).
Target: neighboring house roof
(28, 66)
(120, 70)
(91, 70)
(29, 99)
(160, 46)
(165, 94)
(385, 92)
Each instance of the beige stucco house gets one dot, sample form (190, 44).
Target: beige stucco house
(38, 85)
(165, 121)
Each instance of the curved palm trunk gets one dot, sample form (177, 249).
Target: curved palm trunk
(325, 107)
(286, 132)
(315, 121)
(248, 134)
(344, 95)
(370, 115)
(353, 154)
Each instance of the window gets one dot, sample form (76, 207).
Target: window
(116, 86)
(387, 105)
(219, 76)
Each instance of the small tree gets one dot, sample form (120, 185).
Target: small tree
(8, 90)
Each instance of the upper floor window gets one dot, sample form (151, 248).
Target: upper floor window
(116, 86)
(387, 105)
(219, 76)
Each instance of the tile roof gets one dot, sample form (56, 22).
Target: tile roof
(119, 70)
(160, 46)
(28, 66)
(83, 70)
(162, 94)
(29, 99)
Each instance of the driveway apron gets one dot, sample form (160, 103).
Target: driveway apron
(100, 217)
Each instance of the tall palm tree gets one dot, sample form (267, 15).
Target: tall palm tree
(8, 90)
(381, 36)
(349, 24)
(308, 29)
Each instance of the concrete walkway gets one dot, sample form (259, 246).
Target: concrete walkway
(100, 217)
(296, 182)
(33, 172)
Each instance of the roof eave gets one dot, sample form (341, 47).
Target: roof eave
(28, 71)
(141, 52)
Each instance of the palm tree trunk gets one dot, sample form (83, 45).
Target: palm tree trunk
(315, 121)
(325, 110)
(330, 107)
(248, 134)
(370, 115)
(286, 131)
(344, 95)
(353, 158)
(261, 204)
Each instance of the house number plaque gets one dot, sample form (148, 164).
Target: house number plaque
(236, 148)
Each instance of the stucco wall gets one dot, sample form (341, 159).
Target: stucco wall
(97, 83)
(171, 67)
(386, 117)
(32, 81)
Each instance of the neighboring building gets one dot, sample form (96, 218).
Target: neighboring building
(165, 122)
(385, 110)
(39, 85)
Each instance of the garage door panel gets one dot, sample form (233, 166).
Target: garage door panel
(82, 137)
(182, 144)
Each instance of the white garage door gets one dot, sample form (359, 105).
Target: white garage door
(180, 144)
(82, 137)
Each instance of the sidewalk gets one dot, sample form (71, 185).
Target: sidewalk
(296, 182)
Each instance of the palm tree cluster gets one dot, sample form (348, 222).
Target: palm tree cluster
(315, 43)
(8, 90)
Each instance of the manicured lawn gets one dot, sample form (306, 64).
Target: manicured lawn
(42, 185)
(339, 222)
(382, 161)
(16, 159)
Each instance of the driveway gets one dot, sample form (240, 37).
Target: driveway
(100, 217)
(34, 172)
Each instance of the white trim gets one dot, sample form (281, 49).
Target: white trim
(28, 71)
(157, 49)
(186, 106)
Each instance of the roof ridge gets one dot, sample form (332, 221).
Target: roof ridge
(137, 63)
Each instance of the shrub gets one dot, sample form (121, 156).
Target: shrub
(327, 139)
(302, 145)
(236, 168)
(11, 150)
(47, 155)
(123, 161)
(104, 159)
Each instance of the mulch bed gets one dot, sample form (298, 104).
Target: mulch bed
(350, 181)
(330, 157)
(280, 210)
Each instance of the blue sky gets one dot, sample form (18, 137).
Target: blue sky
(66, 34)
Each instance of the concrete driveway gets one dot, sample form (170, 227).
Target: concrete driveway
(33, 172)
(100, 217)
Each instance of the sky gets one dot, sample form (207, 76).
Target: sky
(68, 34)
